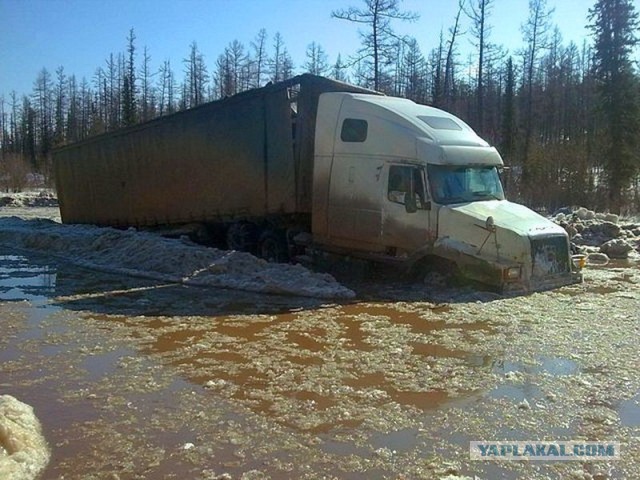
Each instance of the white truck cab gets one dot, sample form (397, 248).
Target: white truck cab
(402, 182)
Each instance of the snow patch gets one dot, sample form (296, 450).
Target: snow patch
(147, 255)
(23, 449)
(29, 198)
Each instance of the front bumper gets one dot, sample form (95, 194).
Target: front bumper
(495, 274)
(539, 284)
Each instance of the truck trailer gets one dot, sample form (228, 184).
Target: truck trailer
(312, 165)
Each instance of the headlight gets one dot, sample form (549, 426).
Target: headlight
(512, 273)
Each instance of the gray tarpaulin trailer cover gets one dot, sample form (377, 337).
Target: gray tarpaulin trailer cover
(245, 156)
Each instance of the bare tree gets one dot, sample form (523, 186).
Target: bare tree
(478, 12)
(379, 41)
(4, 135)
(28, 136)
(61, 107)
(114, 82)
(147, 101)
(259, 59)
(86, 105)
(413, 73)
(437, 74)
(100, 99)
(231, 70)
(443, 66)
(129, 114)
(316, 63)
(14, 120)
(448, 81)
(196, 77)
(508, 130)
(73, 127)
(281, 62)
(535, 31)
(166, 101)
(338, 72)
(43, 100)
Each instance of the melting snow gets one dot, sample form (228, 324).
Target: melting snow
(176, 260)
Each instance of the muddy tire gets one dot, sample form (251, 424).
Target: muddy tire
(436, 271)
(272, 247)
(241, 236)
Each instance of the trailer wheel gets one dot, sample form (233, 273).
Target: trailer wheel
(273, 247)
(241, 236)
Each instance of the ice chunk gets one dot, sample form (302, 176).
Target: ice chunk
(23, 450)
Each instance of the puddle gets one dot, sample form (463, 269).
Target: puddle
(399, 441)
(550, 365)
(629, 412)
(126, 372)
(558, 366)
(516, 393)
(343, 449)
(103, 364)
(21, 280)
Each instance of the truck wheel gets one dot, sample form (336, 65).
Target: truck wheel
(241, 236)
(435, 271)
(273, 247)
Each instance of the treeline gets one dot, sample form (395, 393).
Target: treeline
(565, 117)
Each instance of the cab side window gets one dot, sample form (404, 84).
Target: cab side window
(354, 130)
(405, 180)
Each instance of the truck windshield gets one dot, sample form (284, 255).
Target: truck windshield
(464, 183)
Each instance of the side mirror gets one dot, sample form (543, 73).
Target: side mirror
(410, 203)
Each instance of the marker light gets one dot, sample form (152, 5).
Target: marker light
(579, 261)
(511, 273)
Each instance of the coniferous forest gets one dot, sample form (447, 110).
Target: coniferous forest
(565, 117)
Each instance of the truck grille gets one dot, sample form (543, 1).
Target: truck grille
(550, 255)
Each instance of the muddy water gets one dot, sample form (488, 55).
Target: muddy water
(136, 379)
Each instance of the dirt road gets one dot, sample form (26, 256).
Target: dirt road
(138, 379)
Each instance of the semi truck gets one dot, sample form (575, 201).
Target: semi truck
(312, 166)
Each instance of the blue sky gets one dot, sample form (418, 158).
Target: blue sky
(80, 34)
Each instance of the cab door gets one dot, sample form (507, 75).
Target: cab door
(406, 209)
(354, 203)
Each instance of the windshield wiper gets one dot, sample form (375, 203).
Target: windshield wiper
(485, 193)
(449, 200)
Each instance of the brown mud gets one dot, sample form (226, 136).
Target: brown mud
(137, 379)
